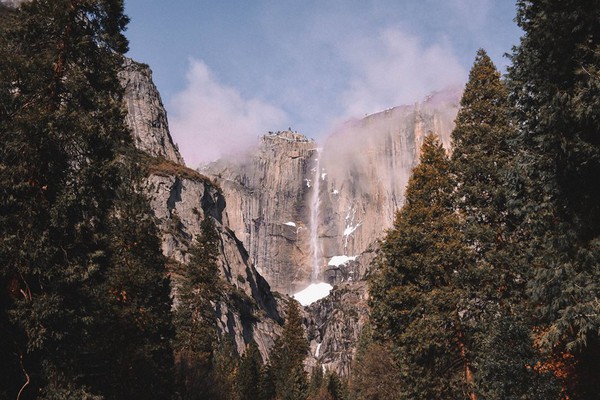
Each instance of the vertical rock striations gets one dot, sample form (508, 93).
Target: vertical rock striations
(298, 207)
(181, 198)
(367, 165)
(268, 206)
(146, 116)
(180, 202)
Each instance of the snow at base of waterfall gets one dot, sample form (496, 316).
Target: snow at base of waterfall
(314, 292)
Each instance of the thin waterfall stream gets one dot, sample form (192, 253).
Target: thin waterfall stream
(314, 220)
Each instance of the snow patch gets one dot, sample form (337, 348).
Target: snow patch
(308, 183)
(336, 261)
(290, 223)
(335, 191)
(318, 351)
(350, 230)
(323, 175)
(314, 292)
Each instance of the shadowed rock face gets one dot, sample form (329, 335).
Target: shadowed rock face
(360, 172)
(334, 324)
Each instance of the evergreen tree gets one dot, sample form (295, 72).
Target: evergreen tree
(481, 159)
(481, 162)
(316, 381)
(374, 373)
(287, 356)
(249, 374)
(195, 318)
(415, 296)
(556, 193)
(64, 188)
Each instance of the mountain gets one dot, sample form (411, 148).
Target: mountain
(292, 211)
(311, 213)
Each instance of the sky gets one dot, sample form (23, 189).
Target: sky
(230, 71)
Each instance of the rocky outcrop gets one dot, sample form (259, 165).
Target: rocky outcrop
(334, 324)
(250, 311)
(146, 116)
(302, 209)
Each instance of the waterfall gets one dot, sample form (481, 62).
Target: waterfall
(314, 219)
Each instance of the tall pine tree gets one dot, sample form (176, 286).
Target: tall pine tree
(287, 357)
(196, 341)
(556, 93)
(481, 161)
(71, 306)
(415, 296)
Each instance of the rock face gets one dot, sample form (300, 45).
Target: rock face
(312, 214)
(305, 213)
(250, 311)
(146, 115)
(268, 196)
(334, 324)
(365, 168)
(181, 198)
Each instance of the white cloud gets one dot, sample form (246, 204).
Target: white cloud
(395, 68)
(209, 120)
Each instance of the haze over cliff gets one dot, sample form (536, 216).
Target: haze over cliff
(311, 212)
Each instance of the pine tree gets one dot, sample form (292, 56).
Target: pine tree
(556, 192)
(64, 186)
(287, 356)
(414, 296)
(249, 374)
(316, 381)
(481, 161)
(195, 319)
(374, 373)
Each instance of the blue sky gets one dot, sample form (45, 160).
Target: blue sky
(229, 71)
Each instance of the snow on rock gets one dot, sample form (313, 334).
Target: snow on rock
(314, 292)
(336, 261)
(350, 230)
(290, 223)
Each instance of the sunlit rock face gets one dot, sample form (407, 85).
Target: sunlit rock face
(367, 165)
(146, 116)
(250, 312)
(268, 197)
(301, 207)
(181, 199)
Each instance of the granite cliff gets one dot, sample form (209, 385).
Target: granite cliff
(181, 198)
(305, 213)
(311, 213)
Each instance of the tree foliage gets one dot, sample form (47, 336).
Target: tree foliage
(197, 340)
(415, 295)
(554, 85)
(85, 305)
(286, 365)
